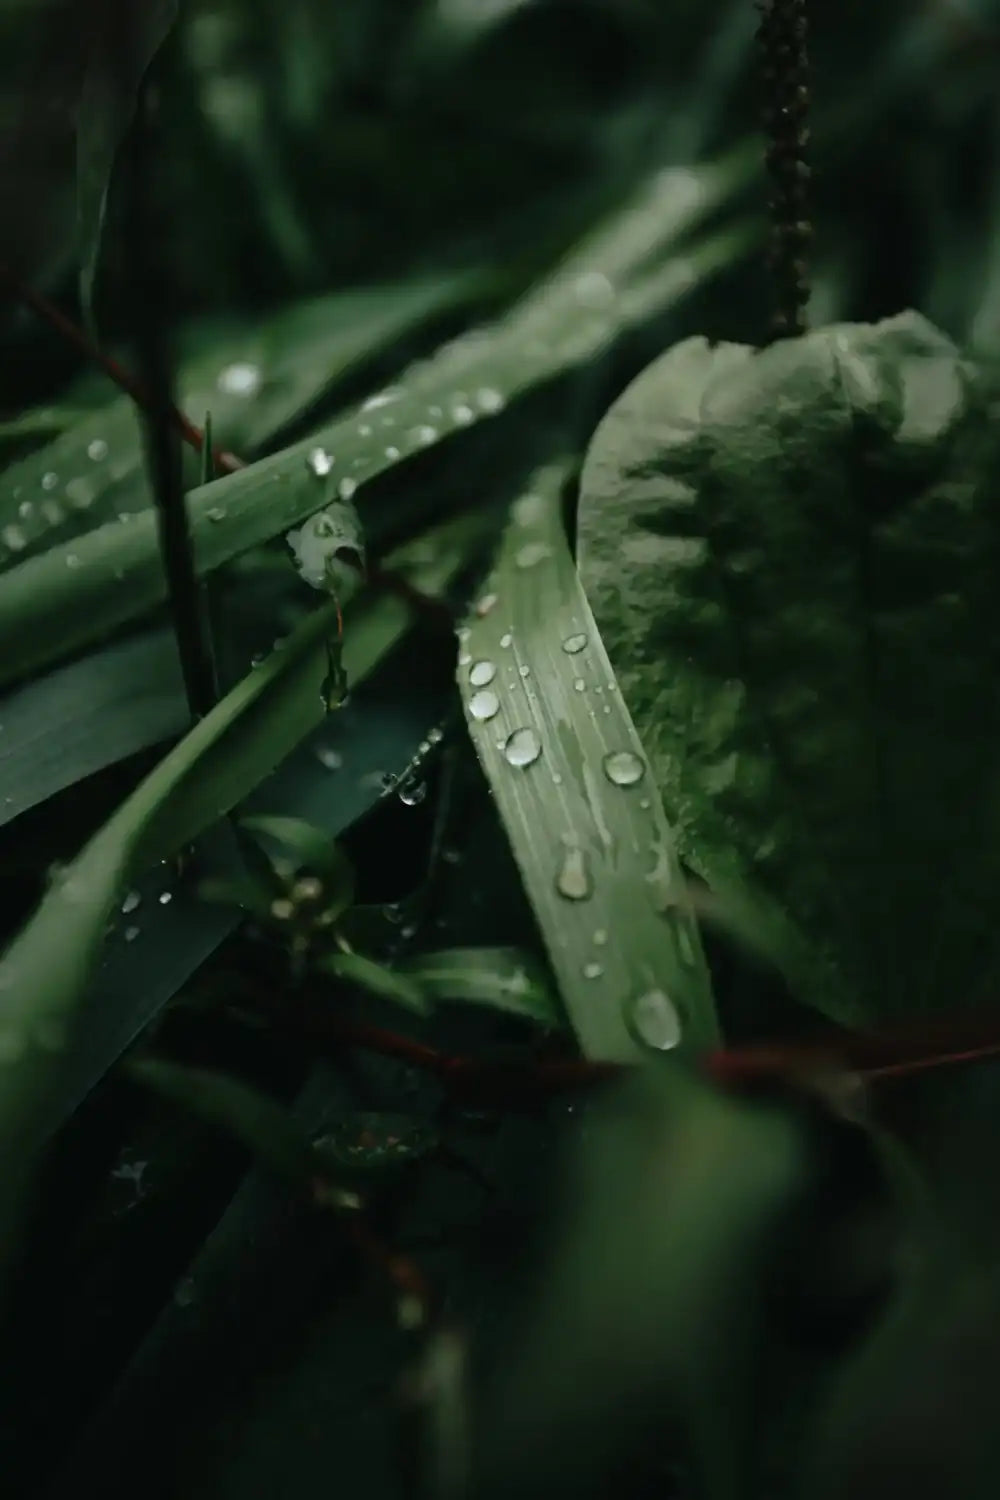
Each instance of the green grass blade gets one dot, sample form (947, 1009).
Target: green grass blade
(498, 978)
(576, 797)
(47, 968)
(74, 593)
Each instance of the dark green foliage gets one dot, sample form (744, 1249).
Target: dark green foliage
(568, 717)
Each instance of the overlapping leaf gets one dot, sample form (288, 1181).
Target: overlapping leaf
(792, 557)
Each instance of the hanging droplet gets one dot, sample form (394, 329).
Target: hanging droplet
(573, 879)
(522, 748)
(655, 1020)
(319, 462)
(411, 791)
(574, 643)
(484, 706)
(482, 673)
(97, 450)
(623, 768)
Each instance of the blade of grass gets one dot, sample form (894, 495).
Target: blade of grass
(74, 593)
(46, 970)
(573, 789)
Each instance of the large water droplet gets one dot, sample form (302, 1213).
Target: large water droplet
(97, 450)
(531, 554)
(573, 879)
(623, 768)
(484, 705)
(482, 673)
(489, 401)
(574, 643)
(655, 1020)
(320, 462)
(522, 747)
(392, 453)
(240, 379)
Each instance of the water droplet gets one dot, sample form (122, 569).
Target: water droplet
(484, 706)
(425, 435)
(574, 643)
(165, 898)
(655, 1020)
(80, 493)
(50, 480)
(97, 450)
(531, 554)
(579, 684)
(411, 791)
(524, 670)
(464, 658)
(462, 414)
(592, 970)
(623, 768)
(131, 933)
(24, 509)
(72, 561)
(573, 879)
(330, 760)
(382, 398)
(489, 401)
(392, 453)
(600, 937)
(240, 379)
(527, 509)
(506, 639)
(482, 673)
(53, 512)
(594, 289)
(486, 603)
(14, 538)
(347, 488)
(522, 748)
(131, 902)
(319, 462)
(364, 430)
(217, 513)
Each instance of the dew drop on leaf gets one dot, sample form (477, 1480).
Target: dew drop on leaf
(484, 705)
(574, 643)
(489, 401)
(329, 759)
(592, 970)
(522, 747)
(622, 768)
(482, 673)
(531, 554)
(655, 1020)
(50, 480)
(240, 379)
(97, 450)
(347, 488)
(14, 538)
(320, 462)
(573, 879)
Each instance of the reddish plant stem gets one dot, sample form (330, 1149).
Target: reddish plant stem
(227, 462)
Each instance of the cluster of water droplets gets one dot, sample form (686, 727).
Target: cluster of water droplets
(51, 503)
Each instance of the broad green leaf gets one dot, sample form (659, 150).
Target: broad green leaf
(78, 591)
(121, 44)
(258, 1122)
(576, 796)
(500, 978)
(46, 970)
(651, 1309)
(792, 557)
